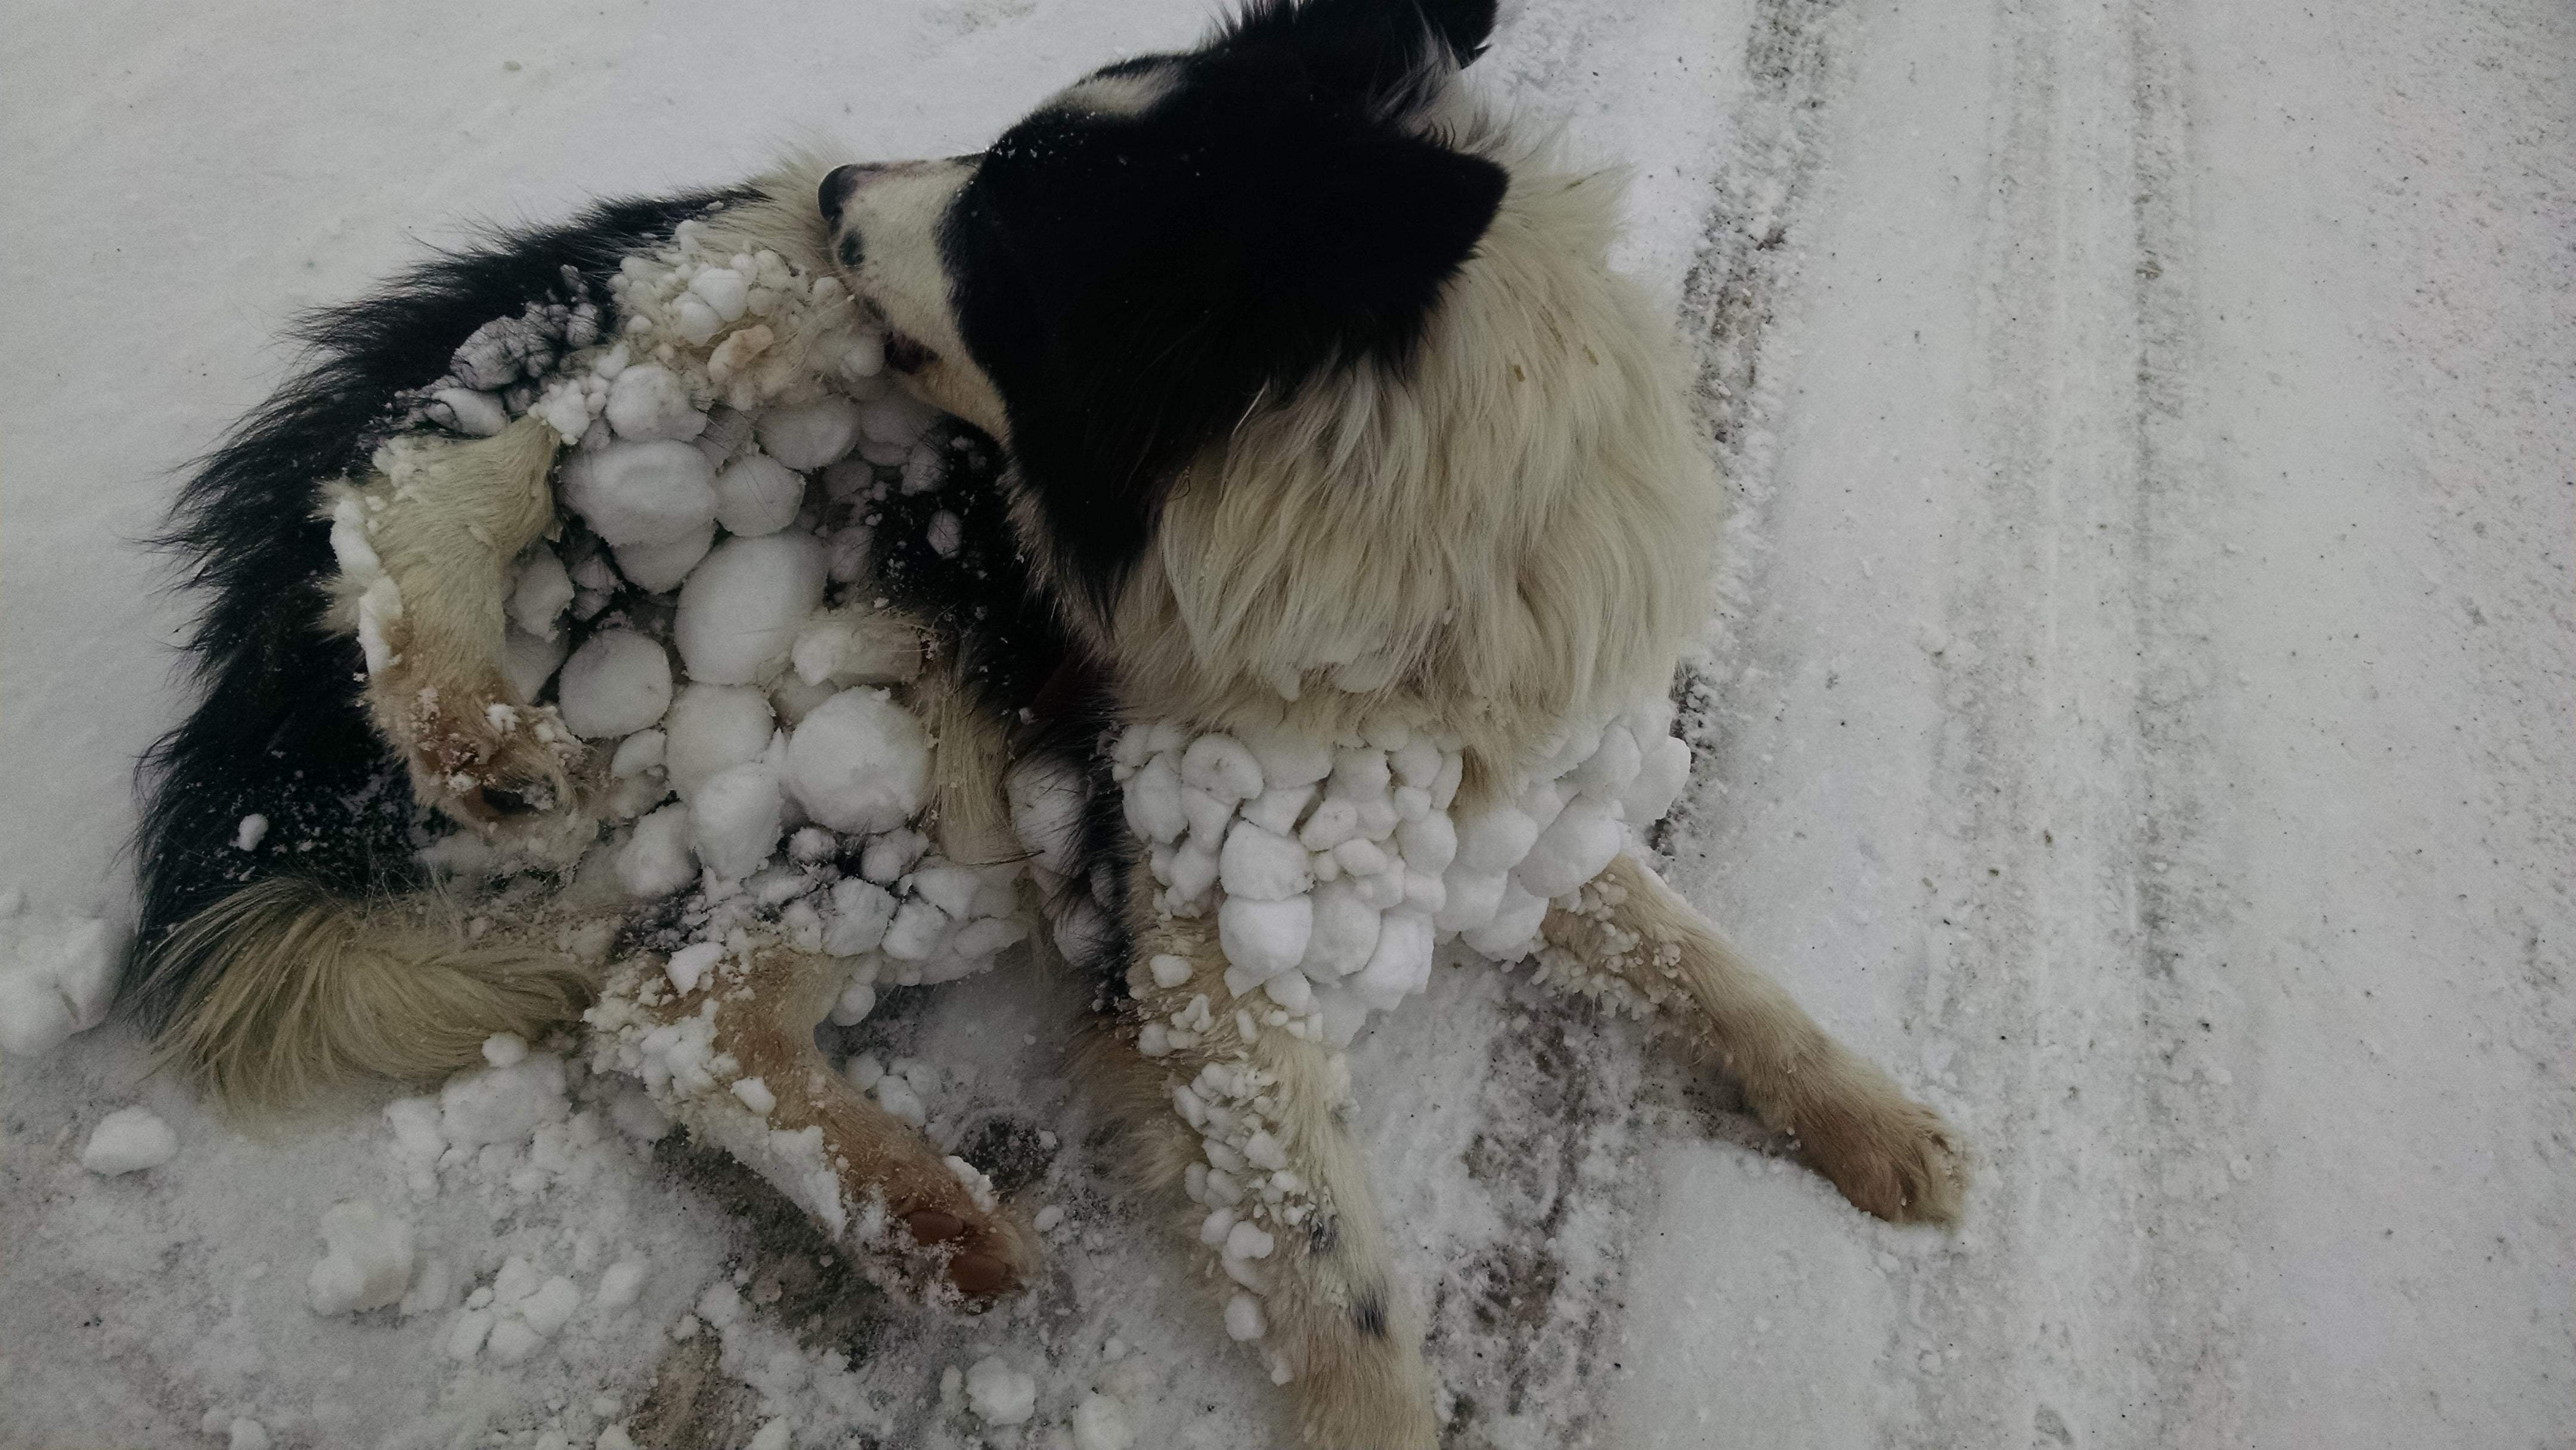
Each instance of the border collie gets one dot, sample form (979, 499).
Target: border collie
(1302, 589)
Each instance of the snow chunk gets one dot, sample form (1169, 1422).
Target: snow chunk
(57, 977)
(741, 609)
(999, 1394)
(806, 436)
(713, 728)
(735, 820)
(129, 1139)
(641, 493)
(540, 593)
(659, 568)
(623, 1283)
(502, 1104)
(368, 1262)
(859, 762)
(1100, 1423)
(1265, 938)
(1572, 850)
(757, 495)
(1261, 865)
(1243, 1319)
(617, 683)
(688, 966)
(655, 861)
(649, 402)
(546, 1310)
(1221, 766)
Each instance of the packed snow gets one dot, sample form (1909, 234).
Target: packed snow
(2135, 713)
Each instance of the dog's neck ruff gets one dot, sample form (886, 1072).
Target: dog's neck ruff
(1336, 872)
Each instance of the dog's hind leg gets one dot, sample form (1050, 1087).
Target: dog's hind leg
(1629, 932)
(732, 1055)
(1240, 1136)
(425, 548)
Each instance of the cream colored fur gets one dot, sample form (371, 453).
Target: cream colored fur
(316, 992)
(1888, 1154)
(1339, 1334)
(1508, 536)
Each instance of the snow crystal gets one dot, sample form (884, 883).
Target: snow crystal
(129, 1139)
(999, 1394)
(368, 1260)
(741, 610)
(617, 683)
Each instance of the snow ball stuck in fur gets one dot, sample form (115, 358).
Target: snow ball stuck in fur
(859, 762)
(999, 1394)
(1243, 1318)
(1265, 938)
(806, 436)
(741, 610)
(735, 820)
(711, 729)
(659, 568)
(368, 1262)
(617, 683)
(656, 860)
(128, 1140)
(641, 493)
(649, 402)
(758, 495)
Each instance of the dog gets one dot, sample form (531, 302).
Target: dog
(1303, 588)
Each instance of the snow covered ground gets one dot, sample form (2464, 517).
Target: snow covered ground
(2138, 714)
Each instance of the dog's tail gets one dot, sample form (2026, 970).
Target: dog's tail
(285, 989)
(290, 937)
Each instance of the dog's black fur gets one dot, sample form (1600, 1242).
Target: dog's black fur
(1135, 283)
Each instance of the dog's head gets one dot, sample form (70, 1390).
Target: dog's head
(1172, 242)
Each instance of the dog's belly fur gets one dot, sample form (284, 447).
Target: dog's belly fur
(1488, 522)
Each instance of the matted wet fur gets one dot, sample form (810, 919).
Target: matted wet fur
(1317, 406)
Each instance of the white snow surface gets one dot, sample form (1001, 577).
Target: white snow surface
(2136, 712)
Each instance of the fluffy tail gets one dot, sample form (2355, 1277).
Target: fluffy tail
(285, 990)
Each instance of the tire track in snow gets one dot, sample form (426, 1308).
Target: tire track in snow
(2083, 892)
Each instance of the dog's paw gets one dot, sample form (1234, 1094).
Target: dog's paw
(980, 1257)
(1889, 1155)
(501, 768)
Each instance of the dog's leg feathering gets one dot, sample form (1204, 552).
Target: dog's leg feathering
(732, 1055)
(1889, 1155)
(424, 550)
(1277, 1192)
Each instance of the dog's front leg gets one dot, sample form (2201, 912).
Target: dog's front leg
(731, 1053)
(1889, 1155)
(1239, 1130)
(425, 545)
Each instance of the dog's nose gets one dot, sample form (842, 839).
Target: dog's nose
(838, 187)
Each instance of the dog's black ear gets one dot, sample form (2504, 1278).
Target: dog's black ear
(1369, 47)
(1367, 231)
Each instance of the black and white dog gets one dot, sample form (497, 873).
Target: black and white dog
(1303, 593)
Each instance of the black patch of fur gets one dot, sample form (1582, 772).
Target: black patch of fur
(1134, 284)
(1369, 1316)
(280, 731)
